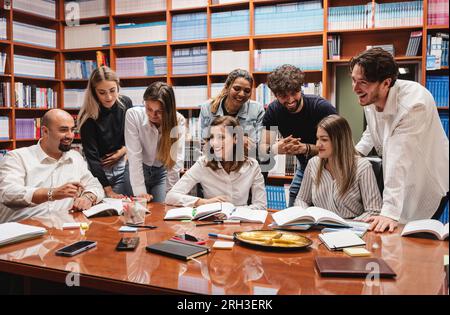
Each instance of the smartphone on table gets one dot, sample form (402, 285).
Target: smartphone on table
(127, 243)
(75, 248)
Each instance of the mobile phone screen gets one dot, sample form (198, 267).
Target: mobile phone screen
(76, 248)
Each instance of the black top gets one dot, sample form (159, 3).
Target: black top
(104, 135)
(302, 124)
(225, 112)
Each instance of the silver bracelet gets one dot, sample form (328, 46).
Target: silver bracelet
(50, 194)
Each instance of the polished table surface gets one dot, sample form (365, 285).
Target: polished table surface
(417, 262)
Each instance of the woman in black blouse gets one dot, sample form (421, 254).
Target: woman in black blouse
(101, 121)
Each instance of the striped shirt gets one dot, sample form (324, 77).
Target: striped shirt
(362, 199)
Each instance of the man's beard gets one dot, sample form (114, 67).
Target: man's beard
(64, 147)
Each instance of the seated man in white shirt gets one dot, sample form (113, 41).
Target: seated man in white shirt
(47, 178)
(403, 126)
(225, 172)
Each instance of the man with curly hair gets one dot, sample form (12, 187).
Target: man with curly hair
(295, 116)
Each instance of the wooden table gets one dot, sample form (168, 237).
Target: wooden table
(417, 262)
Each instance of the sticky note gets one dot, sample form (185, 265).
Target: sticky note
(128, 229)
(356, 251)
(223, 245)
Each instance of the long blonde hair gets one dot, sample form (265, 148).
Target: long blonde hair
(343, 162)
(232, 76)
(91, 104)
(163, 93)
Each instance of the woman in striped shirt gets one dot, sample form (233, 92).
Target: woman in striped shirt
(337, 179)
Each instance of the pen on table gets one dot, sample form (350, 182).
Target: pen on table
(142, 226)
(210, 223)
(228, 237)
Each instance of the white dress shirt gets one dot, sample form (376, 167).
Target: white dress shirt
(409, 137)
(25, 170)
(235, 185)
(142, 142)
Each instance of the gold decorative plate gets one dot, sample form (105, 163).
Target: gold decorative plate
(269, 239)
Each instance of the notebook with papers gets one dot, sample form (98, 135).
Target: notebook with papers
(13, 232)
(341, 239)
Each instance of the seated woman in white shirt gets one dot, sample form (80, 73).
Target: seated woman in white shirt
(225, 171)
(154, 138)
(337, 179)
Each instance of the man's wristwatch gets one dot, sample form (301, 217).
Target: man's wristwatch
(50, 194)
(89, 197)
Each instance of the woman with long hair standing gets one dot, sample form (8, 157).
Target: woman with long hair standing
(154, 137)
(101, 121)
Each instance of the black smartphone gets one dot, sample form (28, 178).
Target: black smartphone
(127, 243)
(75, 248)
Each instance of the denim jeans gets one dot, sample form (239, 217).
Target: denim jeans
(119, 177)
(155, 181)
(296, 183)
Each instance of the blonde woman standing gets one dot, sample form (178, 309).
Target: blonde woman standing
(101, 121)
(337, 179)
(154, 137)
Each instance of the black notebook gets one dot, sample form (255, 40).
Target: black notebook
(178, 249)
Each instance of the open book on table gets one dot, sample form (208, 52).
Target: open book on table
(431, 226)
(13, 232)
(311, 215)
(225, 210)
(108, 207)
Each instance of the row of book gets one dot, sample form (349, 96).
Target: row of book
(190, 96)
(35, 35)
(414, 43)
(135, 93)
(191, 26)
(86, 8)
(350, 17)
(277, 197)
(34, 67)
(3, 58)
(193, 129)
(45, 8)
(79, 69)
(28, 128)
(141, 66)
(285, 165)
(73, 98)
(306, 58)
(136, 6)
(32, 96)
(183, 4)
(444, 121)
(190, 60)
(3, 28)
(438, 12)
(225, 61)
(75, 36)
(334, 47)
(5, 94)
(437, 51)
(4, 128)
(397, 14)
(143, 33)
(438, 86)
(230, 23)
(296, 17)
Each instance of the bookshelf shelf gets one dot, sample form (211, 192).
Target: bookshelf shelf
(3, 75)
(35, 48)
(75, 50)
(442, 108)
(377, 29)
(146, 14)
(229, 6)
(289, 177)
(135, 46)
(94, 19)
(27, 140)
(151, 77)
(32, 109)
(399, 58)
(189, 108)
(186, 43)
(6, 141)
(187, 10)
(32, 17)
(438, 27)
(34, 79)
(5, 108)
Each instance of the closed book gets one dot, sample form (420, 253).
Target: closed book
(178, 249)
(353, 267)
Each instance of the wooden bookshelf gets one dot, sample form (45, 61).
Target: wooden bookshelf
(353, 41)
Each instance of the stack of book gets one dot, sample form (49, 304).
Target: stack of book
(39, 7)
(79, 69)
(388, 47)
(264, 95)
(5, 94)
(285, 165)
(334, 47)
(34, 67)
(90, 8)
(28, 128)
(183, 4)
(444, 121)
(397, 14)
(437, 51)
(141, 66)
(32, 96)
(438, 86)
(4, 128)
(35, 35)
(3, 28)
(75, 36)
(73, 98)
(284, 18)
(190, 26)
(193, 60)
(437, 12)
(190, 96)
(3, 58)
(136, 93)
(305, 58)
(414, 43)
(350, 17)
(277, 197)
(144, 33)
(225, 61)
(136, 6)
(230, 23)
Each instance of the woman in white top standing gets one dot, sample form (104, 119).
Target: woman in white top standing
(154, 137)
(337, 179)
(225, 171)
